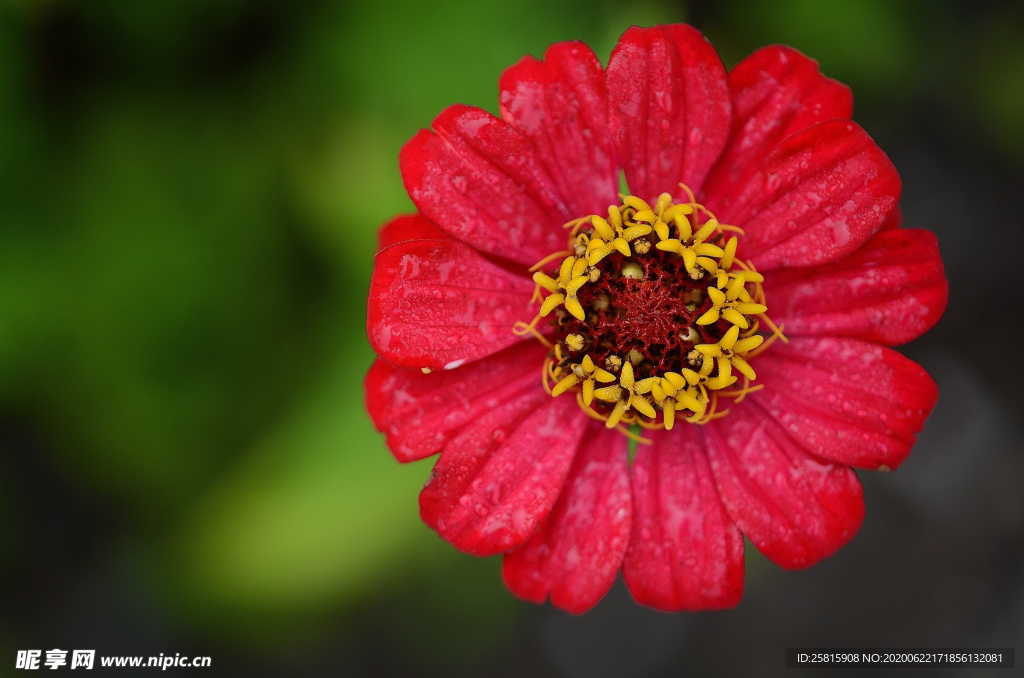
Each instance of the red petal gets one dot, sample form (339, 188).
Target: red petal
(562, 106)
(576, 554)
(498, 479)
(794, 508)
(817, 197)
(407, 227)
(420, 412)
(670, 108)
(849, 401)
(776, 92)
(480, 179)
(892, 290)
(685, 552)
(894, 220)
(438, 304)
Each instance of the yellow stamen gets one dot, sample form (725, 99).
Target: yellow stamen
(729, 255)
(616, 415)
(545, 281)
(643, 406)
(722, 297)
(520, 328)
(748, 344)
(548, 259)
(564, 385)
(545, 374)
(572, 304)
(626, 375)
(551, 303)
(609, 394)
(588, 391)
(635, 202)
(669, 415)
(633, 436)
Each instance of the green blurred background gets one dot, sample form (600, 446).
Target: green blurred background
(190, 194)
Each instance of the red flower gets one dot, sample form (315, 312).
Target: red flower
(652, 318)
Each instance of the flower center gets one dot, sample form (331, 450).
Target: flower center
(653, 317)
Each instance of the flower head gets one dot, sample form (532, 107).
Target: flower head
(732, 313)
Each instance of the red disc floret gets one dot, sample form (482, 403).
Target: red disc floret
(652, 313)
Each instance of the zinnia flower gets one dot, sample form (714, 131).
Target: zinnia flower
(732, 313)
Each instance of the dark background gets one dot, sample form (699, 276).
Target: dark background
(190, 192)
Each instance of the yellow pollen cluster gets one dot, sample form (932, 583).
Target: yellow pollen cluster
(624, 389)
